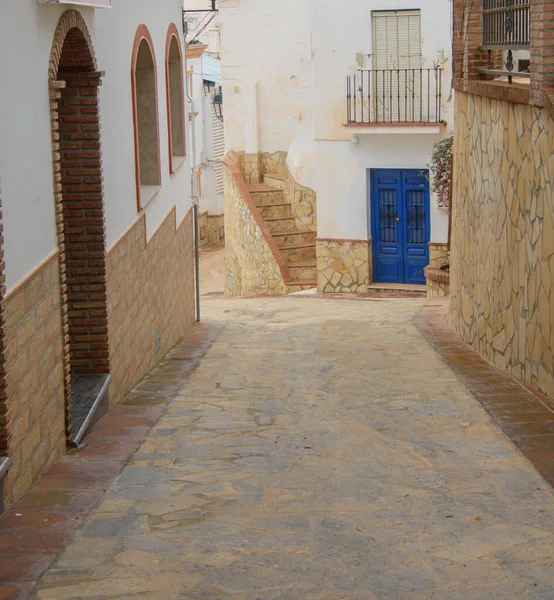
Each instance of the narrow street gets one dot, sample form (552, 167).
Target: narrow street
(321, 450)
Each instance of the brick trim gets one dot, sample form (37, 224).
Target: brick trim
(143, 34)
(342, 240)
(79, 201)
(70, 19)
(173, 33)
(496, 90)
(469, 57)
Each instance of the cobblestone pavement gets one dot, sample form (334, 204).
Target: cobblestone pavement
(321, 450)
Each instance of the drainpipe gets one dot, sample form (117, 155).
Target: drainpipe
(194, 193)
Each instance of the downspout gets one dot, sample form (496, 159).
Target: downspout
(194, 194)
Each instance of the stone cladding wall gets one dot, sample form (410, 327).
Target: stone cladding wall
(302, 199)
(150, 297)
(216, 229)
(251, 265)
(343, 266)
(502, 257)
(34, 342)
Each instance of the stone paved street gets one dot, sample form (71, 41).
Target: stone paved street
(321, 450)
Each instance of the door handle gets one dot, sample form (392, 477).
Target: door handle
(397, 219)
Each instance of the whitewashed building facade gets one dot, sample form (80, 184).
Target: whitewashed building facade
(96, 214)
(353, 96)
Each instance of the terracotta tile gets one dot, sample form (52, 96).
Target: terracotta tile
(54, 510)
(16, 591)
(524, 416)
(26, 567)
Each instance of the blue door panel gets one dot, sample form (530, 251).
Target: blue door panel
(400, 225)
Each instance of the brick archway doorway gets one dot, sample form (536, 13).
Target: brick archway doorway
(77, 165)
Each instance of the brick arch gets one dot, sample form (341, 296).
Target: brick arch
(71, 19)
(74, 82)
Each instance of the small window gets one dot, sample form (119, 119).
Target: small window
(397, 40)
(175, 99)
(145, 104)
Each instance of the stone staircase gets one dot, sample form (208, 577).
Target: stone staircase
(296, 245)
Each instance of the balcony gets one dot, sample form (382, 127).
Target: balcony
(506, 27)
(390, 101)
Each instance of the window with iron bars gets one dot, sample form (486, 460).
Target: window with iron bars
(506, 24)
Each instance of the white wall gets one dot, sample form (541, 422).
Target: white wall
(210, 200)
(340, 35)
(26, 34)
(342, 184)
(26, 31)
(113, 36)
(301, 52)
(270, 42)
(340, 166)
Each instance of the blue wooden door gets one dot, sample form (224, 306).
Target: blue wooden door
(400, 225)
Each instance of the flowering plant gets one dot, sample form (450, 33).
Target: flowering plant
(441, 171)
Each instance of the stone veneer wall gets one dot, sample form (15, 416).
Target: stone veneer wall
(343, 266)
(34, 377)
(438, 254)
(437, 289)
(216, 229)
(251, 266)
(302, 199)
(203, 228)
(150, 297)
(502, 257)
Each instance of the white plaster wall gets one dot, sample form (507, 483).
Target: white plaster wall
(340, 166)
(342, 182)
(26, 35)
(113, 36)
(269, 42)
(300, 53)
(340, 35)
(26, 31)
(209, 200)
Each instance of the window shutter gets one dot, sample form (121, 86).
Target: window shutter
(218, 148)
(397, 40)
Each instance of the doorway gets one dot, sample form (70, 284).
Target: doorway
(400, 223)
(80, 221)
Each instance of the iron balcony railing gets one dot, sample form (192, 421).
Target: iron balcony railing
(506, 24)
(394, 96)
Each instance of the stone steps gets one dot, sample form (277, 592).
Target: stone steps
(265, 194)
(294, 236)
(275, 180)
(302, 269)
(275, 209)
(299, 285)
(297, 246)
(298, 252)
(280, 224)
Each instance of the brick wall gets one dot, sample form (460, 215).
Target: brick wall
(542, 49)
(469, 56)
(502, 257)
(82, 211)
(34, 377)
(150, 297)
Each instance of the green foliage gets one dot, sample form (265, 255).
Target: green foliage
(441, 171)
